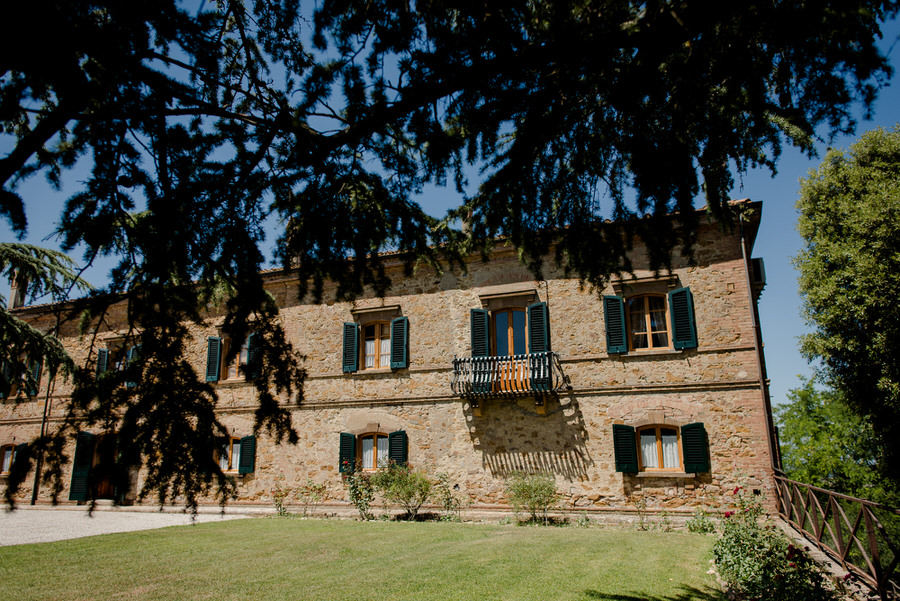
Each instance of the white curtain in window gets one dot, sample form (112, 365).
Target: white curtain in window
(7, 459)
(669, 448)
(235, 454)
(368, 454)
(382, 451)
(649, 455)
(223, 458)
(370, 353)
(385, 352)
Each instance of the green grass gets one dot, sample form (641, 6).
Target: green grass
(332, 560)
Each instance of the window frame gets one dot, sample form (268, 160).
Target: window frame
(374, 436)
(217, 351)
(11, 449)
(657, 428)
(228, 451)
(379, 326)
(646, 315)
(510, 331)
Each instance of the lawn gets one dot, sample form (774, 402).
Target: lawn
(269, 558)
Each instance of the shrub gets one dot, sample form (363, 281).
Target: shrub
(404, 486)
(700, 523)
(310, 495)
(532, 493)
(758, 562)
(280, 493)
(446, 497)
(360, 491)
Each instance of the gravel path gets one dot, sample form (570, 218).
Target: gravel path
(25, 526)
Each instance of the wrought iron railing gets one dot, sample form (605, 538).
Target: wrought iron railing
(847, 529)
(531, 373)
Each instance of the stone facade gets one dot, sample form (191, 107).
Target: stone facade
(477, 442)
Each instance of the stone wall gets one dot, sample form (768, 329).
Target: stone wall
(717, 383)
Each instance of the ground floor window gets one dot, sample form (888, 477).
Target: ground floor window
(7, 452)
(659, 448)
(372, 450)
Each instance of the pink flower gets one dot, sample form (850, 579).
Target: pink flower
(737, 489)
(728, 514)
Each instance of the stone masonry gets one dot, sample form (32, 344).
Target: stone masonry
(721, 384)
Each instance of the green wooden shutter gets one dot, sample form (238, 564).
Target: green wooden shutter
(695, 448)
(347, 453)
(81, 466)
(6, 379)
(398, 447)
(247, 461)
(538, 328)
(400, 343)
(351, 347)
(681, 309)
(132, 356)
(614, 316)
(102, 361)
(34, 383)
(481, 339)
(625, 447)
(254, 356)
(213, 358)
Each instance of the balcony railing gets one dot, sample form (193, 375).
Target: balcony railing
(532, 373)
(848, 529)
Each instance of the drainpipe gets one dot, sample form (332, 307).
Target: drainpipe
(39, 462)
(774, 451)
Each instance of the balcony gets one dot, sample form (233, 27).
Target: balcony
(536, 374)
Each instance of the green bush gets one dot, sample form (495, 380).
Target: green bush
(700, 523)
(449, 500)
(404, 486)
(758, 562)
(361, 491)
(532, 493)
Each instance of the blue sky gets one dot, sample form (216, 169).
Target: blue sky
(777, 242)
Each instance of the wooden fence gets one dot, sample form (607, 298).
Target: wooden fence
(864, 537)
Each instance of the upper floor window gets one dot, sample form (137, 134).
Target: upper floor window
(242, 365)
(13, 381)
(648, 321)
(653, 321)
(510, 331)
(384, 344)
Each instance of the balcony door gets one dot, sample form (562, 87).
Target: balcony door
(510, 338)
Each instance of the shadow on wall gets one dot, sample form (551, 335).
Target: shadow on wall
(513, 437)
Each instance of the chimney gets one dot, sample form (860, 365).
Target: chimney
(18, 288)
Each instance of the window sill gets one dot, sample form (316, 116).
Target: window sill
(665, 475)
(650, 352)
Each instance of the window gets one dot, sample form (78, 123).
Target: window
(648, 324)
(244, 364)
(385, 345)
(376, 347)
(118, 356)
(7, 452)
(510, 331)
(28, 380)
(96, 471)
(372, 450)
(647, 321)
(656, 448)
(659, 448)
(238, 455)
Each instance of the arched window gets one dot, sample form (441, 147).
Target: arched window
(659, 448)
(648, 322)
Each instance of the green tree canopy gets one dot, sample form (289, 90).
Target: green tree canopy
(850, 280)
(826, 444)
(207, 118)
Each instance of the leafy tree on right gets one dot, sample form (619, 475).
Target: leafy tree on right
(849, 217)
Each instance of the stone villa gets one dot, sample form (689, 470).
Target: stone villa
(654, 388)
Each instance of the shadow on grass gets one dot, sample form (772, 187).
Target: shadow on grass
(688, 593)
